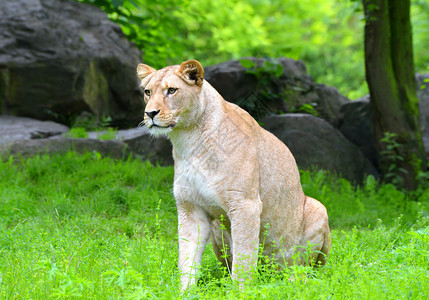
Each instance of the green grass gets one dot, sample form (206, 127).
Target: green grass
(90, 227)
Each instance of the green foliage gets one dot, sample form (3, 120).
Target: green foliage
(92, 227)
(263, 95)
(77, 132)
(425, 81)
(105, 122)
(88, 122)
(391, 156)
(269, 70)
(109, 134)
(420, 23)
(152, 25)
(308, 108)
(266, 96)
(326, 34)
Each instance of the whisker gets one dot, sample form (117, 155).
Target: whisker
(141, 124)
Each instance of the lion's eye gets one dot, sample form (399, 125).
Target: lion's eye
(171, 91)
(147, 92)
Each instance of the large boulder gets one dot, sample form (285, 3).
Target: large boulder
(61, 57)
(316, 144)
(232, 81)
(26, 137)
(356, 125)
(294, 90)
(17, 128)
(28, 148)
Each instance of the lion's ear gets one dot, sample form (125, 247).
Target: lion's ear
(143, 71)
(192, 72)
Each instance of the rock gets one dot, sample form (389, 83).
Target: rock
(316, 144)
(17, 135)
(230, 80)
(17, 128)
(356, 120)
(61, 57)
(158, 150)
(423, 95)
(356, 125)
(29, 148)
(293, 91)
(328, 102)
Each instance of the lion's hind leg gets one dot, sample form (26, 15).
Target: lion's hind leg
(316, 231)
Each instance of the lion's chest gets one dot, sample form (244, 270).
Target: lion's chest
(198, 185)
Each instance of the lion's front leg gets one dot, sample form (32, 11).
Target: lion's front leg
(245, 225)
(194, 232)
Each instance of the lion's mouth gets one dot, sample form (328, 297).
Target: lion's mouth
(158, 126)
(143, 123)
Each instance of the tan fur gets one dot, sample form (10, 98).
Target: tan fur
(227, 166)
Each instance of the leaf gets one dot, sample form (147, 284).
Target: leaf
(278, 71)
(373, 7)
(391, 168)
(269, 65)
(402, 170)
(252, 72)
(134, 4)
(423, 231)
(247, 63)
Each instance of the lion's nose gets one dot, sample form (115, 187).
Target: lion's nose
(152, 114)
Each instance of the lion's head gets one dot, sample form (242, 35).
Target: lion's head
(171, 95)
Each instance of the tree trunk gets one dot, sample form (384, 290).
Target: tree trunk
(390, 76)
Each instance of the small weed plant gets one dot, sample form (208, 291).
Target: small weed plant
(88, 122)
(391, 157)
(87, 226)
(77, 132)
(265, 93)
(308, 109)
(268, 92)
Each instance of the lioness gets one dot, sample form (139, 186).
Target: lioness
(233, 181)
